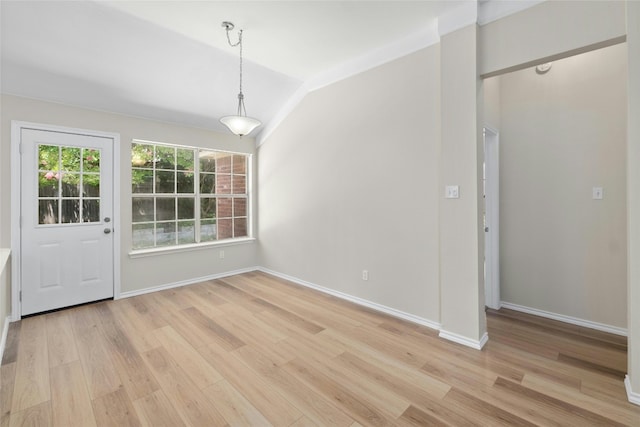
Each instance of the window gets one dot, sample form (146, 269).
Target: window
(184, 195)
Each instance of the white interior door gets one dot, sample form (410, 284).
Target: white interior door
(66, 209)
(491, 218)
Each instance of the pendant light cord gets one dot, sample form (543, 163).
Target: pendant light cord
(241, 107)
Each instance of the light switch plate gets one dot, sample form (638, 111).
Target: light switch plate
(452, 192)
(597, 193)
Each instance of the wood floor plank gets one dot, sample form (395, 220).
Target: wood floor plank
(233, 406)
(134, 374)
(199, 371)
(581, 363)
(100, 373)
(479, 412)
(316, 407)
(180, 323)
(391, 382)
(115, 409)
(156, 410)
(353, 404)
(384, 361)
(70, 401)
(372, 391)
(304, 422)
(35, 416)
(11, 345)
(7, 380)
(624, 415)
(212, 329)
(60, 340)
(32, 384)
(302, 304)
(136, 326)
(277, 409)
(416, 417)
(190, 402)
(573, 413)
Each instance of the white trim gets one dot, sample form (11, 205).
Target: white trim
(360, 301)
(282, 114)
(129, 294)
(15, 218)
(117, 224)
(632, 396)
(464, 15)
(461, 339)
(382, 55)
(492, 211)
(567, 319)
(16, 182)
(492, 10)
(5, 332)
(142, 253)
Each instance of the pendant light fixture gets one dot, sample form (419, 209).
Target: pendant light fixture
(239, 124)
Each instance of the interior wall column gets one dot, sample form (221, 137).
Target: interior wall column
(461, 234)
(632, 382)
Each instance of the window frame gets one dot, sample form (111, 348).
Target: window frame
(196, 195)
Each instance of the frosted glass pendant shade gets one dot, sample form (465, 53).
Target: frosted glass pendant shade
(240, 125)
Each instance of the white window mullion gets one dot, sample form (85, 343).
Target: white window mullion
(196, 194)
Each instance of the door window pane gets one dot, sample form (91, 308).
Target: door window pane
(70, 211)
(68, 184)
(70, 159)
(91, 210)
(91, 159)
(48, 211)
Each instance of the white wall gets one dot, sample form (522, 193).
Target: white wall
(549, 31)
(139, 273)
(561, 134)
(349, 182)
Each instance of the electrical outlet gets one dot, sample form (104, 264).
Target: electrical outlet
(365, 274)
(221, 254)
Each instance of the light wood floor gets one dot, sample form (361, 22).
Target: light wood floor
(255, 350)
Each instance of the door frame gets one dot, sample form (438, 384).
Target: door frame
(16, 205)
(492, 212)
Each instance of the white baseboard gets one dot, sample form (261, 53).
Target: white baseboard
(5, 331)
(186, 282)
(567, 319)
(631, 395)
(360, 301)
(460, 339)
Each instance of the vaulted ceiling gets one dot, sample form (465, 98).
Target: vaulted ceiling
(170, 61)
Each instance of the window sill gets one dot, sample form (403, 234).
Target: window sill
(141, 253)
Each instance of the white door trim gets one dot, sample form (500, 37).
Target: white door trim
(16, 249)
(492, 212)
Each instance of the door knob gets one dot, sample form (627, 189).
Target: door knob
(107, 230)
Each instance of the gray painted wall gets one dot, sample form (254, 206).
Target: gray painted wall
(561, 134)
(349, 182)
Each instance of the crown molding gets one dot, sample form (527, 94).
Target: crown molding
(492, 10)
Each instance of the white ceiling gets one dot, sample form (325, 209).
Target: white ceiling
(170, 61)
